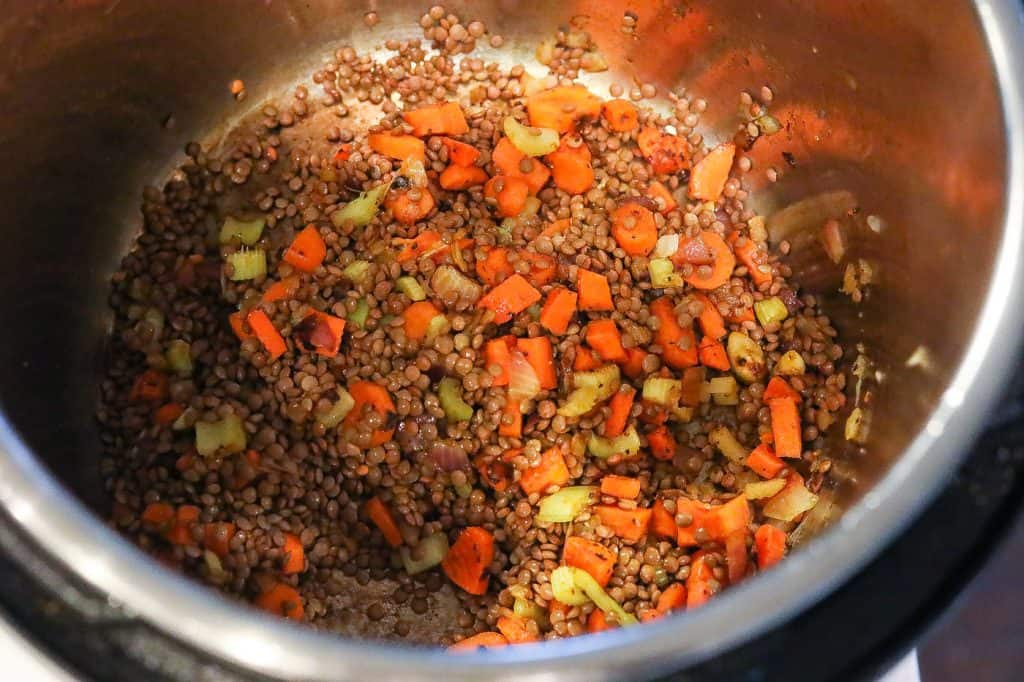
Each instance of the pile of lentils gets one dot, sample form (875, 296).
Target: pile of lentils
(295, 163)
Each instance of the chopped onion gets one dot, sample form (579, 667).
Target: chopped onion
(452, 286)
(528, 140)
(220, 437)
(449, 457)
(666, 246)
(695, 252)
(759, 490)
(770, 310)
(832, 240)
(523, 383)
(663, 273)
(791, 364)
(793, 501)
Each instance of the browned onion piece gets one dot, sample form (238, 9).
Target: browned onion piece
(448, 457)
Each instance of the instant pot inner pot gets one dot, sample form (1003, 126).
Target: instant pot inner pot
(891, 121)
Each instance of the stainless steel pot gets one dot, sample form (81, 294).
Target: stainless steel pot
(913, 107)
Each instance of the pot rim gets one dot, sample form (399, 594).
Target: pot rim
(72, 535)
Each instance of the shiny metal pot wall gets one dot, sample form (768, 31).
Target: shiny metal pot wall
(913, 108)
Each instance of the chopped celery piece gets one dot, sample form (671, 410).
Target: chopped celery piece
(746, 357)
(564, 589)
(437, 326)
(247, 231)
(339, 410)
(411, 287)
(356, 271)
(528, 140)
(247, 264)
(662, 391)
(727, 444)
(179, 357)
(760, 490)
(580, 586)
(430, 552)
(220, 437)
(566, 504)
(605, 380)
(154, 318)
(464, 490)
(682, 413)
(359, 315)
(724, 391)
(627, 445)
(451, 285)
(449, 394)
(579, 402)
(663, 273)
(360, 211)
(791, 364)
(770, 310)
(524, 608)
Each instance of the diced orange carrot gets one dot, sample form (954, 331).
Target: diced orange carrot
(589, 556)
(185, 518)
(621, 115)
(239, 326)
(417, 318)
(151, 386)
(686, 536)
(558, 310)
(764, 462)
(701, 584)
(498, 353)
(410, 206)
(786, 427)
(217, 537)
(751, 257)
(678, 345)
(713, 355)
(158, 515)
(509, 194)
(293, 555)
(585, 360)
(771, 546)
(375, 396)
(725, 519)
(708, 177)
(621, 405)
(340, 156)
(634, 229)
(633, 367)
(551, 470)
(460, 153)
(185, 462)
(495, 267)
(663, 524)
(539, 354)
(596, 622)
(718, 272)
(747, 315)
(666, 153)
(711, 322)
(672, 598)
(398, 147)
(267, 333)
(779, 388)
(167, 414)
(604, 337)
(511, 162)
(736, 556)
(381, 516)
(623, 487)
(468, 559)
(457, 178)
(511, 425)
(282, 600)
(495, 472)
(557, 227)
(628, 524)
(662, 444)
(561, 107)
(481, 640)
(509, 298)
(437, 119)
(516, 630)
(281, 290)
(571, 166)
(425, 243)
(594, 293)
(662, 197)
(307, 251)
(543, 269)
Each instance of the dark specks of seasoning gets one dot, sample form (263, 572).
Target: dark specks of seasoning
(684, 176)
(400, 182)
(790, 159)
(444, 205)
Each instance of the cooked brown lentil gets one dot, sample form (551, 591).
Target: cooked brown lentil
(298, 163)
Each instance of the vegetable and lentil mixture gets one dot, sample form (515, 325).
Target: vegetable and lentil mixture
(471, 344)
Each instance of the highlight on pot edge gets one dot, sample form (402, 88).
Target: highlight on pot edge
(501, 346)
